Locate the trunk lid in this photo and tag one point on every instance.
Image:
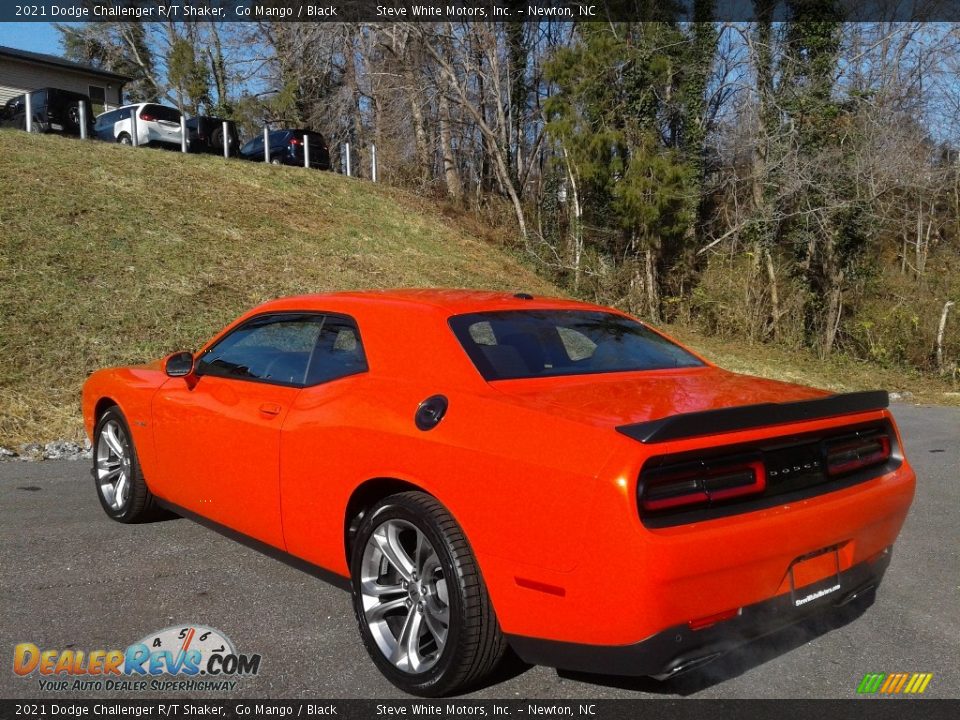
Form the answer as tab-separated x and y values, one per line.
615	399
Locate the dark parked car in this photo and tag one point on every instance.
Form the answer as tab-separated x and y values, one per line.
54	111
206	135
286	148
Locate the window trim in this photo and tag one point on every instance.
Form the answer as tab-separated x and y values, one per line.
282	313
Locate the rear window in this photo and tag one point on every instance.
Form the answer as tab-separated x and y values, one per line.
161	112
543	343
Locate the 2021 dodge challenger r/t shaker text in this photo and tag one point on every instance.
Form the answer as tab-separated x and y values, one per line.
493	471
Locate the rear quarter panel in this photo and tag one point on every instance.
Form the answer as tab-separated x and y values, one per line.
519	482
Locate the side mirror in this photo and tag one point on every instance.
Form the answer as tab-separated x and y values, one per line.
179	364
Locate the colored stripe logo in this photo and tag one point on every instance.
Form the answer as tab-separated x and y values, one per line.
894	683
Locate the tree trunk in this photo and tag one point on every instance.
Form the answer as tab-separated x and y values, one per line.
353	85
419	127
774	296
576	226
834	312
218	67
940	331
653	295
450	173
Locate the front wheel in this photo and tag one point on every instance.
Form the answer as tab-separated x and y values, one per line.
121	488
422	607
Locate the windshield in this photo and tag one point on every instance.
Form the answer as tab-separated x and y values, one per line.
542	343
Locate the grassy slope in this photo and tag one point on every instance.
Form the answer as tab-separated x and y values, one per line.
111	255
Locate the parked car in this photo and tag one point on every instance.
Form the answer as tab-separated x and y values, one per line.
156	125
54	111
489	470
206	135
286	148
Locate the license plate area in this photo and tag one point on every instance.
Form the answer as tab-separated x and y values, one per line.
815	577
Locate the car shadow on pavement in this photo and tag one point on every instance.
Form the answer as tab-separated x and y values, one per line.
735	662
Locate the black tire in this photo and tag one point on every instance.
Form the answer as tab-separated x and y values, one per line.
474	644
34	126
124	139
275	161
139	504
216	139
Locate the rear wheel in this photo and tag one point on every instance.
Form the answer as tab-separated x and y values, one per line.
124	139
216	139
421	604
121	488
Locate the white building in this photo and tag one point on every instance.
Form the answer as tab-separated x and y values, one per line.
21	71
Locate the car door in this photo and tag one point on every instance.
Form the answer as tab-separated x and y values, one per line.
217	431
312	464
253	149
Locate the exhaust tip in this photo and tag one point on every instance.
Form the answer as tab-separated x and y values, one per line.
679	667
856	594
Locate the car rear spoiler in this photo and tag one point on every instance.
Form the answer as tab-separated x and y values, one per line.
710	422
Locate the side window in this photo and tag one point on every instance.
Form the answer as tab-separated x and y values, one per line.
274	348
106	120
288	348
338	352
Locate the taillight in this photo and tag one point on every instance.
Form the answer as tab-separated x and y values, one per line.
709	620
295	142
848	454
691	486
148	117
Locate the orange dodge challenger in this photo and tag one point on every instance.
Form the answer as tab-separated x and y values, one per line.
488	470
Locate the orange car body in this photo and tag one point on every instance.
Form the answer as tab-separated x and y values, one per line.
535	471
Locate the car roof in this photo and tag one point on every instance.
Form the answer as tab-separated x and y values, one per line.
446	300
399	324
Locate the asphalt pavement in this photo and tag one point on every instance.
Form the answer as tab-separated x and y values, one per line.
72	578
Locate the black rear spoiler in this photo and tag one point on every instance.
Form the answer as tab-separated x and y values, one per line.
723	420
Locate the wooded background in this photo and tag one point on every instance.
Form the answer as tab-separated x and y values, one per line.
794	182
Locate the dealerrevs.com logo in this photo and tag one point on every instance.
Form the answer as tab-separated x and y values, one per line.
179	659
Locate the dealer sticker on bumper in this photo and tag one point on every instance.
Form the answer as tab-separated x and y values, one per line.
815	576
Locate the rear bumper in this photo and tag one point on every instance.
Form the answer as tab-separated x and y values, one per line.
679	648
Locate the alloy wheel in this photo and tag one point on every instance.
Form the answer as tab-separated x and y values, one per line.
113	465
404	596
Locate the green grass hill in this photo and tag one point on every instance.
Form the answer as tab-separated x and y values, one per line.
112	255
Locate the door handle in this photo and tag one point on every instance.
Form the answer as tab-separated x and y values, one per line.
270	408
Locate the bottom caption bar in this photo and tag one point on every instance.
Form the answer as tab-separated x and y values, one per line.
367	709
